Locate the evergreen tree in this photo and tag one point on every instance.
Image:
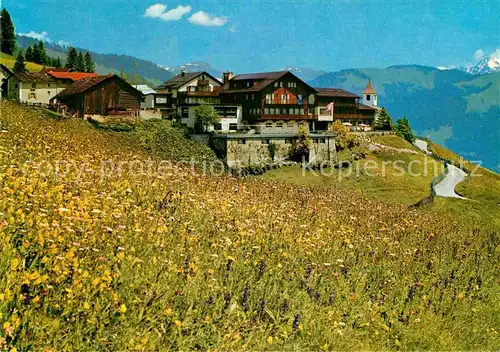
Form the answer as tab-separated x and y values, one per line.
71	59
43	53
403	129
89	63
28	56
384	121
37	54
7	33
80	63
19	66
57	62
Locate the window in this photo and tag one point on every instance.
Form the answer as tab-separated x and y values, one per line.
368	97
272	111
33	85
218	126
290	124
269	124
299	99
266	111
268	99
233	126
315	141
246	96
48	93
292	111
301	111
297	111
161	100
265	141
32	96
248	84
281	84
279	124
322	140
48	85
242	141
288	141
253	96
275	84
185	112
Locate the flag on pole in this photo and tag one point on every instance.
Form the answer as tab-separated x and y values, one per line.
330	107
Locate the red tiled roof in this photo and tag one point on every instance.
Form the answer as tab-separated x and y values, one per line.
369	88
335	92
74	76
82	85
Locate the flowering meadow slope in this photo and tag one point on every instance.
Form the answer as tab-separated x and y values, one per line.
96	257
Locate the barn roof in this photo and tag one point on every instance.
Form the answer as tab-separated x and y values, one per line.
260	76
181	79
82	85
74	76
335	92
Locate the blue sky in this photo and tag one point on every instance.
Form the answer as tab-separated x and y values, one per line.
258	35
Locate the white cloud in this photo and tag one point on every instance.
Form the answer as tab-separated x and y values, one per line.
479	54
496	54
201	18
159	11
44	36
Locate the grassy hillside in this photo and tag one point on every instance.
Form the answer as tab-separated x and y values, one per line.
9	61
100	257
455	108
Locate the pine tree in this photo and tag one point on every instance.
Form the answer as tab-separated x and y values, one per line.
71	59
57	62
384	121
19	66
7	33
37	54
28	56
80	63
43	53
403	129
89	63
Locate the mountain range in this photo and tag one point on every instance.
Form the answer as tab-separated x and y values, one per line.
456	107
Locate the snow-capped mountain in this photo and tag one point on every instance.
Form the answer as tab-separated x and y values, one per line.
307	74
164	67
451	67
487	65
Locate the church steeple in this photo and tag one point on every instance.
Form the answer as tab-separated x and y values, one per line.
370	95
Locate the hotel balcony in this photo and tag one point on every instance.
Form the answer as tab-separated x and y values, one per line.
324	115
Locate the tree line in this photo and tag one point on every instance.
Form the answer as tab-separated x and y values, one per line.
76	61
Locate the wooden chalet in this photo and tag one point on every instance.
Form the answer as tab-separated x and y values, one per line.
270	96
100	95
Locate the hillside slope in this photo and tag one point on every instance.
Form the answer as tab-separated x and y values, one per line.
453	108
123	258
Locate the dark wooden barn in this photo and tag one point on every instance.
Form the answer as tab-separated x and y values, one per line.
101	95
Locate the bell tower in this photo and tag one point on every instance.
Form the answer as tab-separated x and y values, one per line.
370	95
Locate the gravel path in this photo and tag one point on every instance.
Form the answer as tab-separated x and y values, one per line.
445	188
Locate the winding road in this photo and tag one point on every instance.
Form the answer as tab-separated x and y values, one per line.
445	188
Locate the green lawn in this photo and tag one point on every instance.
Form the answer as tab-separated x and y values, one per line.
9	61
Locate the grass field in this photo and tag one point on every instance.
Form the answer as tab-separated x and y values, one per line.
99	257
9	61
